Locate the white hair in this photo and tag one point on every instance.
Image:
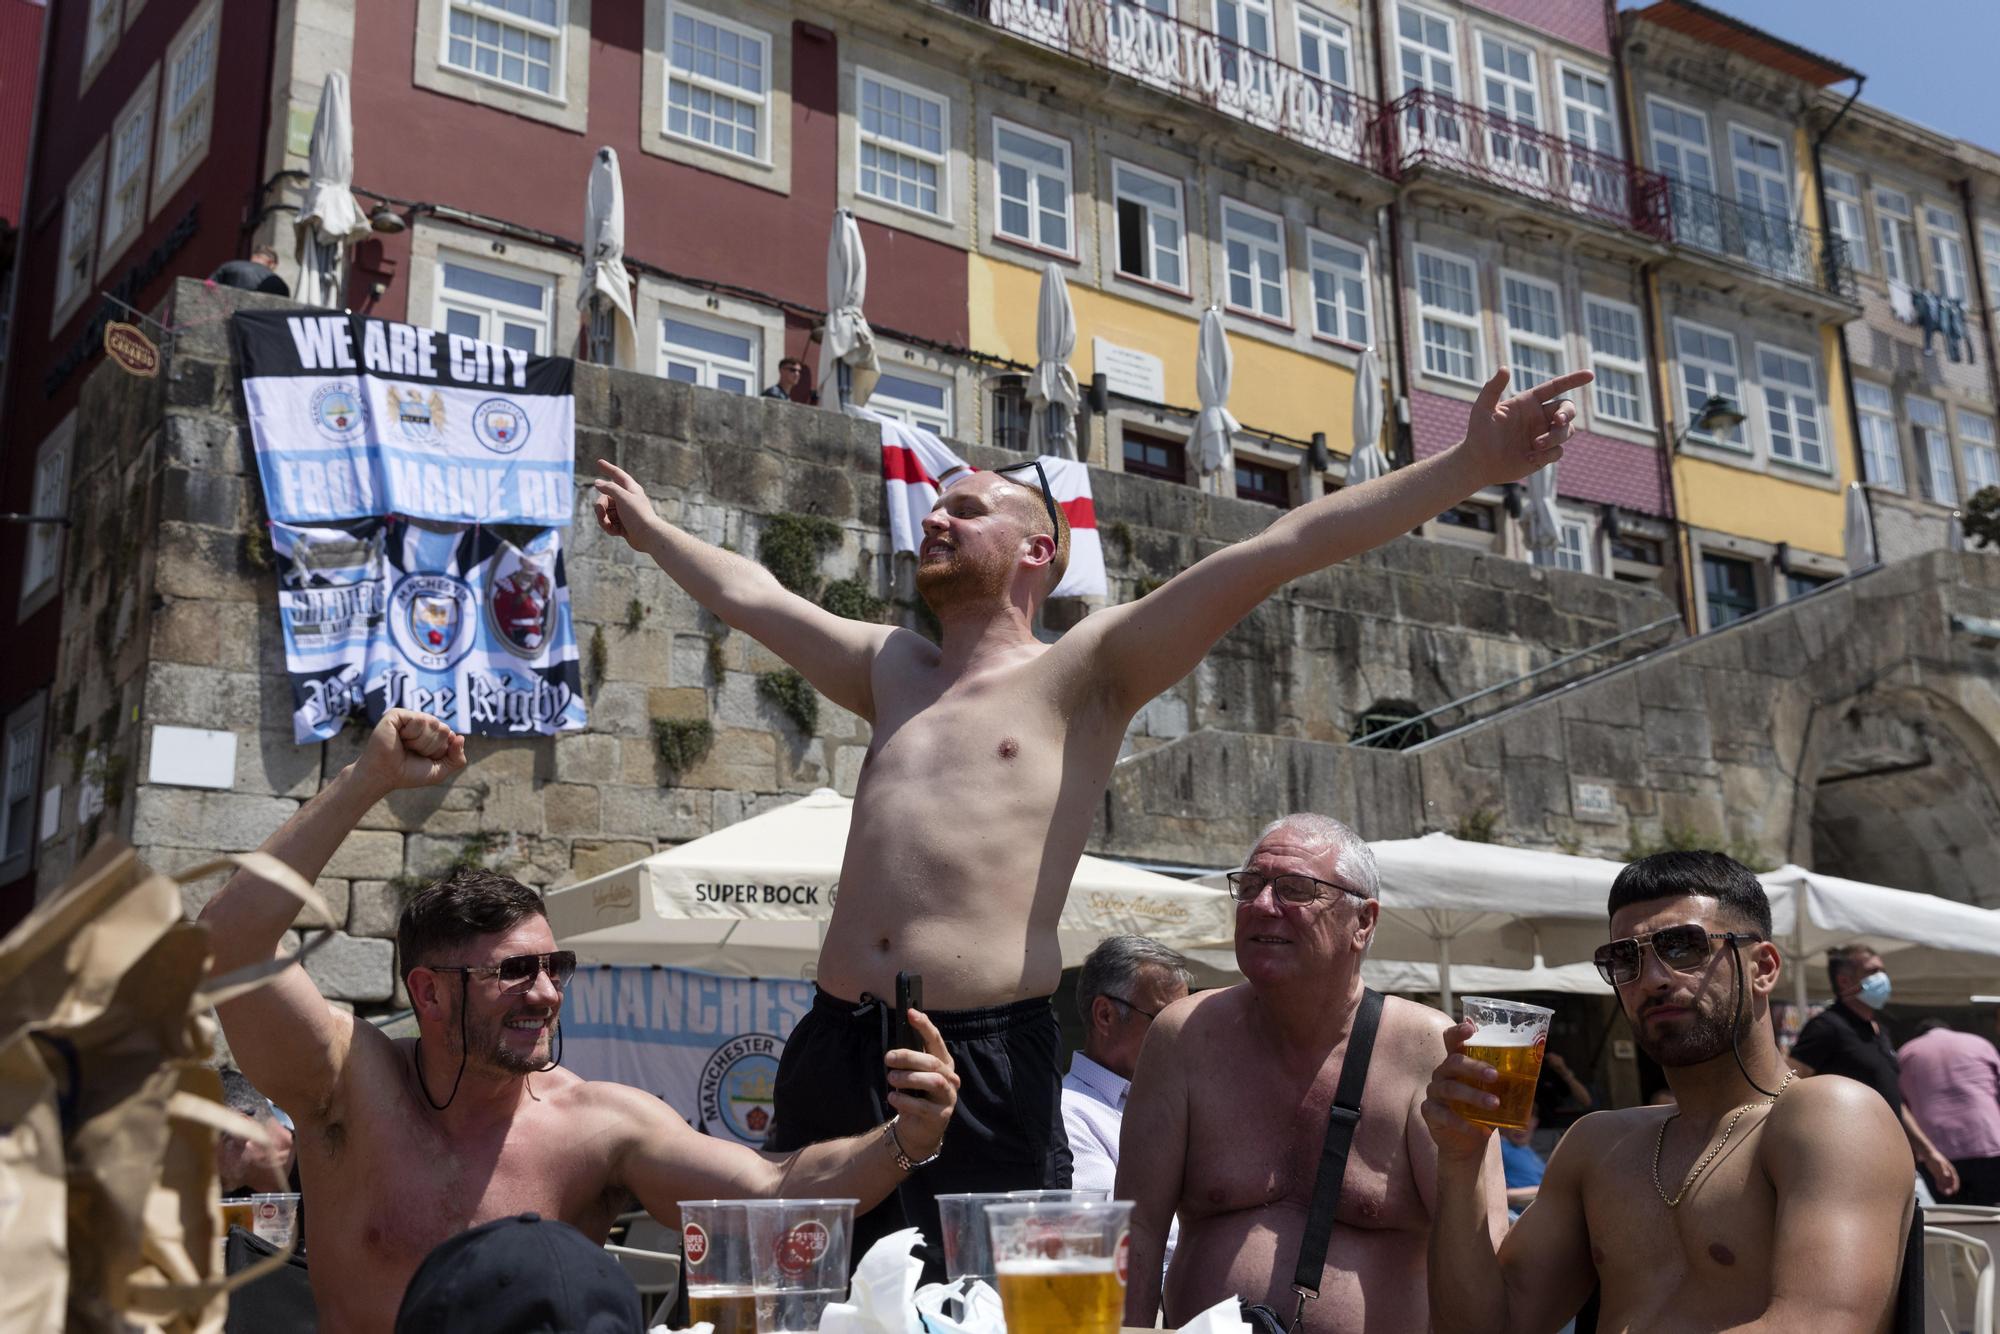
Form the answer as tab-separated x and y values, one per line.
1353	859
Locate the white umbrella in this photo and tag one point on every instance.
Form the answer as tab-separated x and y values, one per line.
1936	949
1861	550
1213	365
606	293
755	898
1052	391
1367	462
848	367
329	216
1544	530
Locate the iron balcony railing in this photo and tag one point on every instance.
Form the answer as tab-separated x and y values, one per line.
1198	65
1704	220
1423	128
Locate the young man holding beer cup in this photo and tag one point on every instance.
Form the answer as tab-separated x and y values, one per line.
1757	1202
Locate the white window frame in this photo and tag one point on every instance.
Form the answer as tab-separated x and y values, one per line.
1896	231
1796	408
490	309
940	160
1574	543
1609	146
557	36
41	561
1541	342
1683	147
1037	171
1505	152
1932	439
1153	247
23	727
708	365
1846	219
1601	360
1947	247
716	88
1989	254
132	132
171	170
1428	54
1740	166
83	209
1343	312
1445	315
913	413
1257	246
1976	441
1741	444
102	26
1316	27
1881	442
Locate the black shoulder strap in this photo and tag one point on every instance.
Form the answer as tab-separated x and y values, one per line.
1908	1317
1341	1119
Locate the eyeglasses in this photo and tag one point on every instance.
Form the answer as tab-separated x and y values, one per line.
519	971
1682	948
1295	889
1150	1014
1048	496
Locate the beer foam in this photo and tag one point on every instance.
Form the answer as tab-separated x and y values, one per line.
1075	1264
1502	1035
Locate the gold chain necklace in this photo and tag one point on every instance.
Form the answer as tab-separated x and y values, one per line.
1709	1157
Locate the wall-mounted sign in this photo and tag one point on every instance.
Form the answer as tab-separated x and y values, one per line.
1128	371
128	345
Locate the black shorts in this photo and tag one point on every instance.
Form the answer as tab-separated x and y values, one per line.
1006	1134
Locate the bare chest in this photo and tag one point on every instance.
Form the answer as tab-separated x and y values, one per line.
1717	1239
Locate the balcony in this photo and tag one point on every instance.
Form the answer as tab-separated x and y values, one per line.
1426	129
1197	66
1769	242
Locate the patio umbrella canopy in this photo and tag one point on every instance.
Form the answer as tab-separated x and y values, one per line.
1052	392
1366	462
1544	530
329	217
1937	951
1860	530
606	293
848	367
1214	427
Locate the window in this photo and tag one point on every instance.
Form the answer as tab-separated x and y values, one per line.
718	82
1637	550
1033	172
1707	360
1253	243
1476	518
1507	86
1244	25
1534	329
1933	449
1791	407
1947	252
1264	483
1731	586
1881	452
187	105
79	235
1010	412
1893	230
1572	549
713	355
1762	181
1150	226
1843	200
22	763
1427	61
1326	51
914	399
45	540
1587	119
1617	357
1448	304
1156	456
515	42
1975	442
1680	143
100	33
1339	289
903	137
131	156
1989	248
1798	583
509	307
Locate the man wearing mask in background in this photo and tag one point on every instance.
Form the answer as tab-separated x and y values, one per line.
1847	1038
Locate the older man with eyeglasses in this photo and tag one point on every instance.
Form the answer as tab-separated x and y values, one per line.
1235	1100
404	1143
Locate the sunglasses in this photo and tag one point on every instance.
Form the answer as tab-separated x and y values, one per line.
518	971
1295	889
1048	496
1682	948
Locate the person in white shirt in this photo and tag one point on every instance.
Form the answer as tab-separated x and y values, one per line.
1125	982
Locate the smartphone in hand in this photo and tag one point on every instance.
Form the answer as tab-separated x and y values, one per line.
909	996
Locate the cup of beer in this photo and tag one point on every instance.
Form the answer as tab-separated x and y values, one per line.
715	1260
798	1261
1061	1264
275	1217
968	1249
1511	1038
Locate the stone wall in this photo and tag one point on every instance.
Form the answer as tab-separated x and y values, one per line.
170	618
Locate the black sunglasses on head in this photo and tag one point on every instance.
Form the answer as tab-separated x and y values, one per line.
1682	948
1048	496
520	970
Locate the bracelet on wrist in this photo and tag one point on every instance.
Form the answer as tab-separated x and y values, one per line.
903	1159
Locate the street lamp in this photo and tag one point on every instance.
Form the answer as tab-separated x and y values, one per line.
1718	412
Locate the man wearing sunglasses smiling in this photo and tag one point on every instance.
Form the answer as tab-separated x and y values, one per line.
1758	1202
402	1144
990	755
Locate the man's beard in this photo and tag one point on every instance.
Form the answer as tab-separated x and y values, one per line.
1706	1037
955	582
488	1041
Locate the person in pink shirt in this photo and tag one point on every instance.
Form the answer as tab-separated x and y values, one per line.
1951	1084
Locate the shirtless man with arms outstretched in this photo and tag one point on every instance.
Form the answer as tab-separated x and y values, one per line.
990	756
1734	1210
402	1144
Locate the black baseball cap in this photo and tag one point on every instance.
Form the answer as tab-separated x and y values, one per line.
521	1275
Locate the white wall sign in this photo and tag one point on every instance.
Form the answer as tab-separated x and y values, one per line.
51	812
193	757
1593	801
1128	371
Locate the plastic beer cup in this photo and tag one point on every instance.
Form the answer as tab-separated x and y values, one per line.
798	1260
1511	1038
275	1217
1061	1264
968	1250
715	1260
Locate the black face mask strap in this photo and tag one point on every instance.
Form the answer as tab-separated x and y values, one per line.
465	988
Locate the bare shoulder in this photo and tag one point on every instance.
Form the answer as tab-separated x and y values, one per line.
1412	1035
629	1107
902	649
1833	1117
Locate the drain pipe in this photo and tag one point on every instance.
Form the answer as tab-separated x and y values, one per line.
1977	249
1389	229
1840	341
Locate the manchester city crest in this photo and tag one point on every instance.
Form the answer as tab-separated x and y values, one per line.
501	425
336	411
420	420
737	1085
520	602
431	620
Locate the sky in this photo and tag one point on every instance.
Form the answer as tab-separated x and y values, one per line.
1930	61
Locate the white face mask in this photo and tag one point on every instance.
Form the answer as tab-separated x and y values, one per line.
1874	990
